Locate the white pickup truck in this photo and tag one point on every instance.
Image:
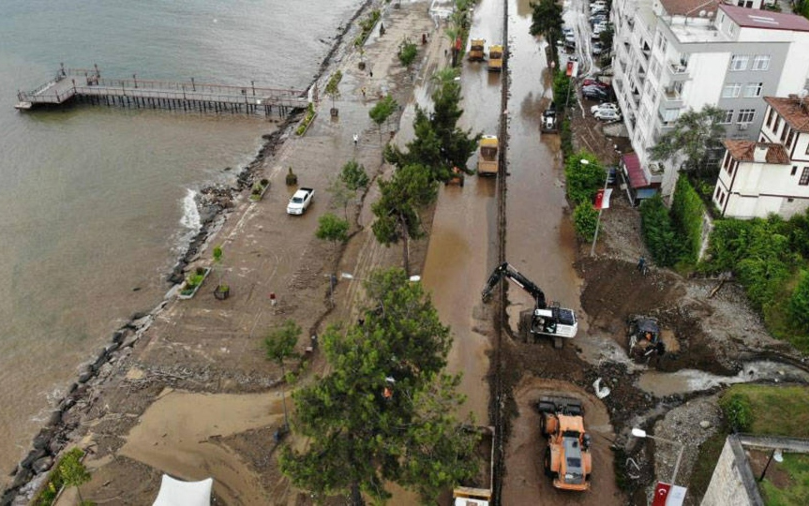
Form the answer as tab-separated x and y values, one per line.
300	201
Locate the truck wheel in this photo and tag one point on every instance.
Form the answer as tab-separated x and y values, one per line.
543	426
548	471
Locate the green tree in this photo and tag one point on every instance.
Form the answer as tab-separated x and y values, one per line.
583	179
407	53
799	302
383	110
696	139
585	217
280	345
438	143
354	175
333	229
74	472
333	87
658	232
341	194
546	20
384	411
397	211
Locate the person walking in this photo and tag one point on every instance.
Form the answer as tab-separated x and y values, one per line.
363	92
356	139
641	264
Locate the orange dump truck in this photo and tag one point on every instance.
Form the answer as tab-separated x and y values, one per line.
495	58
476	50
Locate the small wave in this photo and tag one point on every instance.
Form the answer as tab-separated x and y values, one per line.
190	218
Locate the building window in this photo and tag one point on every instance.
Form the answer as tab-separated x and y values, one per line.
732	90
721	199
794	170
761	62
804	177
790	138
746	115
777	124
716	194
784	132
770	116
727	117
738	62
753	90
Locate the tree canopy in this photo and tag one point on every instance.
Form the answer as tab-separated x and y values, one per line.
546	20
696	138
438	144
583	179
397	210
384	413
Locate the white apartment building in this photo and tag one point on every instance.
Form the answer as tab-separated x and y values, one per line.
771	175
670	56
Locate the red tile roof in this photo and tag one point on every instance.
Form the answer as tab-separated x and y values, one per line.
743	151
755	18
637	179
688	8
794	111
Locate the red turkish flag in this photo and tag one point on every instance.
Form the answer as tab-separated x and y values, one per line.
458	44
661	494
599	198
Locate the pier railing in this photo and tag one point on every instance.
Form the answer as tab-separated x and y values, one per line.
88	85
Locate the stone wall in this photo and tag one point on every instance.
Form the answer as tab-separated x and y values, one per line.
728	482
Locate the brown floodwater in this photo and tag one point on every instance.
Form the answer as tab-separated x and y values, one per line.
463	242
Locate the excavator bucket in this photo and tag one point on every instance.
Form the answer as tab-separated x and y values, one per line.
561	405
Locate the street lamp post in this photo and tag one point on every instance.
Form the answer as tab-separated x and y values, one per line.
601	209
776	455
640	433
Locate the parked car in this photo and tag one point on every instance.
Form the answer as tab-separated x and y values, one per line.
598	48
605	106
595	82
595	93
598	19
300	201
612	175
607	115
570	39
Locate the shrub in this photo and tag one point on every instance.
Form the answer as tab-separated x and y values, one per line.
687	211
407	53
658	232
583	179
566	138
738	411
561	93
585	218
799	302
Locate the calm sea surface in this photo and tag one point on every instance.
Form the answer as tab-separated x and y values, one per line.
94	201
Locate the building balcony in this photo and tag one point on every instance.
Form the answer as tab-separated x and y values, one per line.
671	99
677	71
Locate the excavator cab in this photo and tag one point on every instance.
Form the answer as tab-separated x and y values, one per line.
644	338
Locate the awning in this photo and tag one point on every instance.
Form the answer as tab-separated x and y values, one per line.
631	164
184	493
645	193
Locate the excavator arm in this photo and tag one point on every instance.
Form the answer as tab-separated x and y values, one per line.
506	270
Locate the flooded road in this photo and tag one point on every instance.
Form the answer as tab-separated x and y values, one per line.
540	240
463	241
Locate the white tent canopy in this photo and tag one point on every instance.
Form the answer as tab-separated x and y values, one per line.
184	493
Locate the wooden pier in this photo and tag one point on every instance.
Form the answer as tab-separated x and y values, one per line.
87	86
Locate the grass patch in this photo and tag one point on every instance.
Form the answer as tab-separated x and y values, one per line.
776	411
797	491
709	453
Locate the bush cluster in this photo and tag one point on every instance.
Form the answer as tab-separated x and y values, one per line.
585	217
738	411
658	232
687	212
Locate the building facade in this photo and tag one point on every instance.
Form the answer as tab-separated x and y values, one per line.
674	55
770	176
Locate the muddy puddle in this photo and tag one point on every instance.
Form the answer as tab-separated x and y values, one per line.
525	481
684	381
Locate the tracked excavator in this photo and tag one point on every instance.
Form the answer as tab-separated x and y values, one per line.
545	319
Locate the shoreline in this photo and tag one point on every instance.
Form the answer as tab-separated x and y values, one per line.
214	203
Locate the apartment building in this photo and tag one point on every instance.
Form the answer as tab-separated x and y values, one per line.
674	55
772	174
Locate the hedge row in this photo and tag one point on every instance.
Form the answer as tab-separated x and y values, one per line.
687	212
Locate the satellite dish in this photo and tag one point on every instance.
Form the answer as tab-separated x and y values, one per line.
702	13
778	456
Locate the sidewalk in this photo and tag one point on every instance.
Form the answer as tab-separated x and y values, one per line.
144	414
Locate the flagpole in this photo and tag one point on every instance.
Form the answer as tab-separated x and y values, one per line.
600	210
